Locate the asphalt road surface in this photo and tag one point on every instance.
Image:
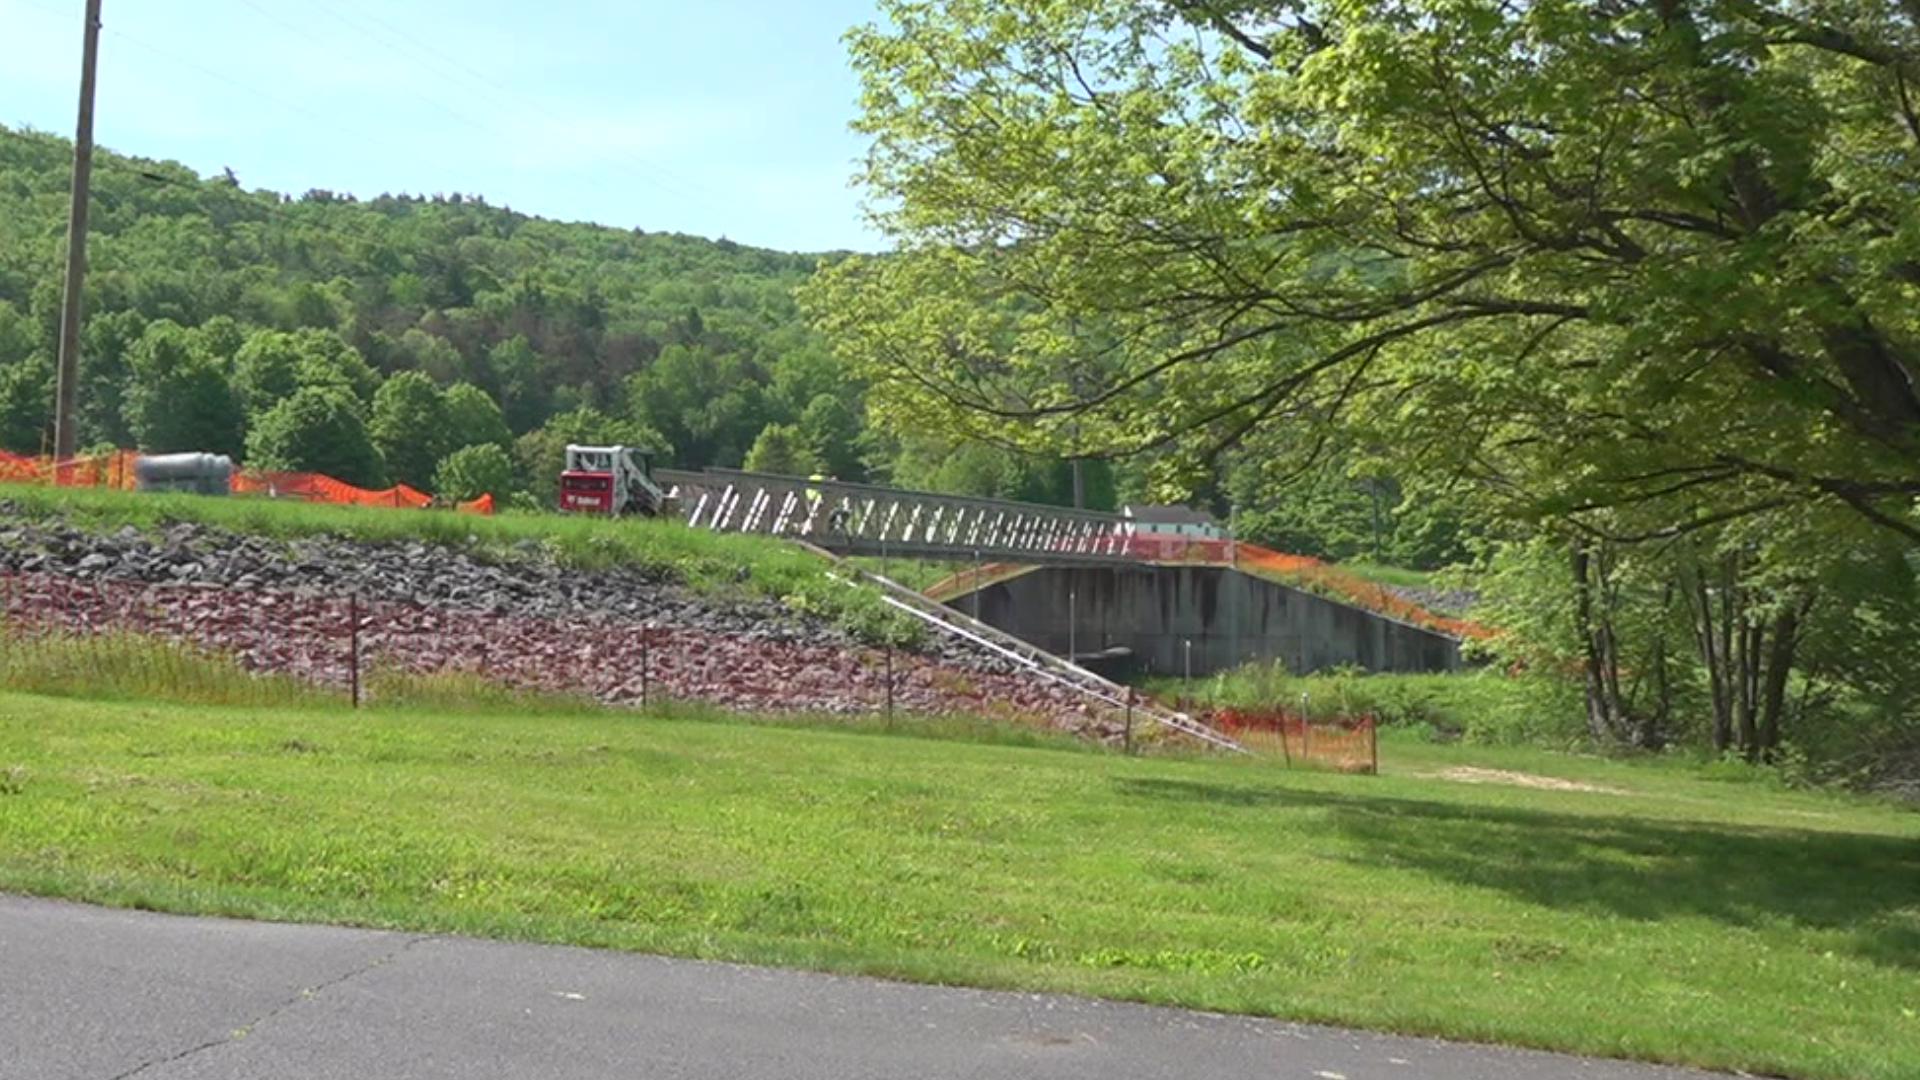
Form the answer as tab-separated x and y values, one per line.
96	994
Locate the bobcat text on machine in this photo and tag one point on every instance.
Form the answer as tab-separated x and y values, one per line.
610	480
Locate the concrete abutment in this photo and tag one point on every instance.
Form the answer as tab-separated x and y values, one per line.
1230	618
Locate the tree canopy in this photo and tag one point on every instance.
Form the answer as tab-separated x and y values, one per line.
699	344
1635	283
695	338
1590	256
317	429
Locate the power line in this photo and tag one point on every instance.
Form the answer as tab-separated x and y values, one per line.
425	98
647	171
398	42
284	213
508	97
237	84
447	63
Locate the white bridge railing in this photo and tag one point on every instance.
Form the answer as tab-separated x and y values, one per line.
863	519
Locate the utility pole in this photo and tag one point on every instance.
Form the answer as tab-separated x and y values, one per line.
65	437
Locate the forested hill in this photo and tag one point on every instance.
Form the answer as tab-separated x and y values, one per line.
375	339
277	327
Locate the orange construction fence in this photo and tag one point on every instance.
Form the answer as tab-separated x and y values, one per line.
1345	743
1330	578
115	470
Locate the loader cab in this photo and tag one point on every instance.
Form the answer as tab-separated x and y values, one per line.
609	480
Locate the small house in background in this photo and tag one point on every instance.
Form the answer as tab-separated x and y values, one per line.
1174	521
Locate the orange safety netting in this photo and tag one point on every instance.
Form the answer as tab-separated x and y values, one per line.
315	487
1324	577
115	470
1346	743
1304	571
1300	571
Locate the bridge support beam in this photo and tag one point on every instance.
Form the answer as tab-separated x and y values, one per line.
1230	618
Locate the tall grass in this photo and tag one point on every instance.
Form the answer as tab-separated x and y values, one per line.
1480	706
1396	576
130	667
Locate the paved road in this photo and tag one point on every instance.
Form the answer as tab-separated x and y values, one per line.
108	995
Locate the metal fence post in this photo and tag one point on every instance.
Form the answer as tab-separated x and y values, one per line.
886	571
1373	742
976	584
1186	676
646	661
353	646
1127	735
1073	621
1306	729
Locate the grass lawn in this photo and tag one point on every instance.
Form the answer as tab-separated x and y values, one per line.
1665	917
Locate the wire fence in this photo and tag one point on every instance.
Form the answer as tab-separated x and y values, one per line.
62	634
202	643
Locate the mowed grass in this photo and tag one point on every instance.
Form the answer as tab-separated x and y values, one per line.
1666	917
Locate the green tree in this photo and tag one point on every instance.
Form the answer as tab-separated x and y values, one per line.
221	337
434	355
104	375
272	364
544	316
409	427
831	433
1629	273
17	335
327	360
516	372
179	398
962	467
710	405
316	429
781	448
1659	247
473	471
26	404
266	370
473	419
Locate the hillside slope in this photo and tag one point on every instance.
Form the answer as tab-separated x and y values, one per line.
545	317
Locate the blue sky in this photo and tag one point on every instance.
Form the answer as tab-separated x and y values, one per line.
712	117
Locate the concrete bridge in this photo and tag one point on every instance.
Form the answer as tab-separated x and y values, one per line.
1085	584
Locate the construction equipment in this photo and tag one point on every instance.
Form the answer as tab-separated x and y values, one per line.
612	480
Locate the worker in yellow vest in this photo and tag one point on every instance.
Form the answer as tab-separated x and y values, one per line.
813	497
